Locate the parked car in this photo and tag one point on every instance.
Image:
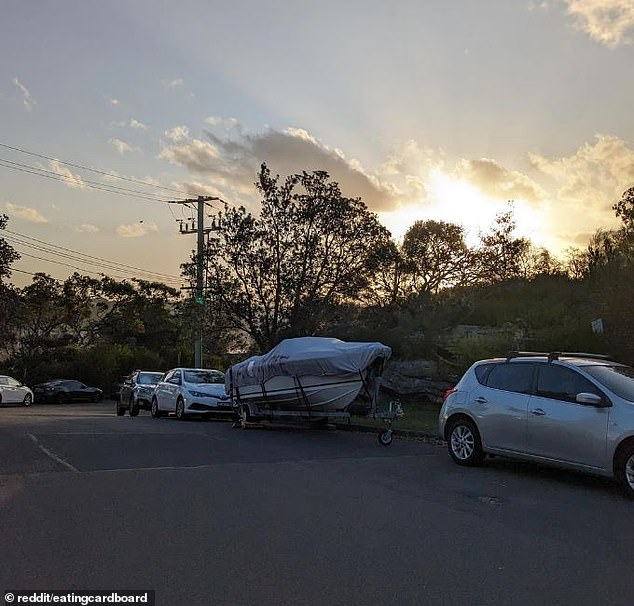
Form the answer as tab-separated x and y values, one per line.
14	392
115	388
61	391
568	410
137	391
186	391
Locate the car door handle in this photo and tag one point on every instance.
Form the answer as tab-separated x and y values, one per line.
538	412
481	400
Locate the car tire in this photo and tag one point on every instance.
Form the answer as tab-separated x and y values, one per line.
28	400
134	408
624	469
180	409
120	411
154	409
60	398
464	443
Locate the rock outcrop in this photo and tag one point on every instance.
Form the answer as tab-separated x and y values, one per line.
415	377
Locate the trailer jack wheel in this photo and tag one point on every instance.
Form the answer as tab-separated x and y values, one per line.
386	437
245	417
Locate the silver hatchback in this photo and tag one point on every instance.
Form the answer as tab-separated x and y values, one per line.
569	410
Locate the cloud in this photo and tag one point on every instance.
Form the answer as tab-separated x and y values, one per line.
137	125
224	122
177	134
114	101
28	101
136	230
177	83
86	228
610	22
233	162
198	188
25	213
196	155
121	146
596	174
498	182
70	178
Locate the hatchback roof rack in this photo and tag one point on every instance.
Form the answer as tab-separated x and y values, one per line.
525	354
555	355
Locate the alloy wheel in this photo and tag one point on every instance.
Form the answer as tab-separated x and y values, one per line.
462	442
629	471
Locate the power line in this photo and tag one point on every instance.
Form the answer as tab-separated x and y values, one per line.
94	170
30	273
80	181
89	259
71	266
99	266
40	172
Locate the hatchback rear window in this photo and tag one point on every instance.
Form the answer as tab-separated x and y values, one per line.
516	377
482	372
619	379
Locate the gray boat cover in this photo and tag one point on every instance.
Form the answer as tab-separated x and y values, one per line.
315	356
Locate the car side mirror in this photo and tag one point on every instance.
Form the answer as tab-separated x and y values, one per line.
590	399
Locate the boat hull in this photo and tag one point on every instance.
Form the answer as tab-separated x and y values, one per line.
315	394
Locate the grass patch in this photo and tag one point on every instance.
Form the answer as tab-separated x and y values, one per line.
419	416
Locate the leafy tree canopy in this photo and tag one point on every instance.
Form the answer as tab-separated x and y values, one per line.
310	248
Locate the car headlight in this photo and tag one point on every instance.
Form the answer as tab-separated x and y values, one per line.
200	394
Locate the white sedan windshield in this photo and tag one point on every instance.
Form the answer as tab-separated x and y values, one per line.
204	376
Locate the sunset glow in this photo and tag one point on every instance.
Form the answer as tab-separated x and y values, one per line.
445	119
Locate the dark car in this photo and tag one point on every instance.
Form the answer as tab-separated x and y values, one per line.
137	391
61	391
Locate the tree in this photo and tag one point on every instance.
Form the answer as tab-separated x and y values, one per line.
435	256
500	254
624	209
539	261
8	254
8	294
281	273
135	313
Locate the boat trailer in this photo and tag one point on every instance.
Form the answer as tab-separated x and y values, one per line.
251	415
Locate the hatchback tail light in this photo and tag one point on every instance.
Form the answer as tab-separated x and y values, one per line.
447	393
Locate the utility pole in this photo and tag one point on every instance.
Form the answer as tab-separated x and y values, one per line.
200	240
200	230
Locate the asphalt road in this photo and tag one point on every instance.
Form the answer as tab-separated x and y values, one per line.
206	514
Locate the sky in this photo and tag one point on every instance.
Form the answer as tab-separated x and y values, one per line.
426	110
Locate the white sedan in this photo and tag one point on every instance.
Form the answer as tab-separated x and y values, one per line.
186	391
14	392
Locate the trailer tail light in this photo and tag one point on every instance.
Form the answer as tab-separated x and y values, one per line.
447	393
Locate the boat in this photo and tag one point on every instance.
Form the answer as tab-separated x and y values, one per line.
309	375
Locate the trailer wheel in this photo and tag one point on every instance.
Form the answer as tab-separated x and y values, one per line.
386	437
